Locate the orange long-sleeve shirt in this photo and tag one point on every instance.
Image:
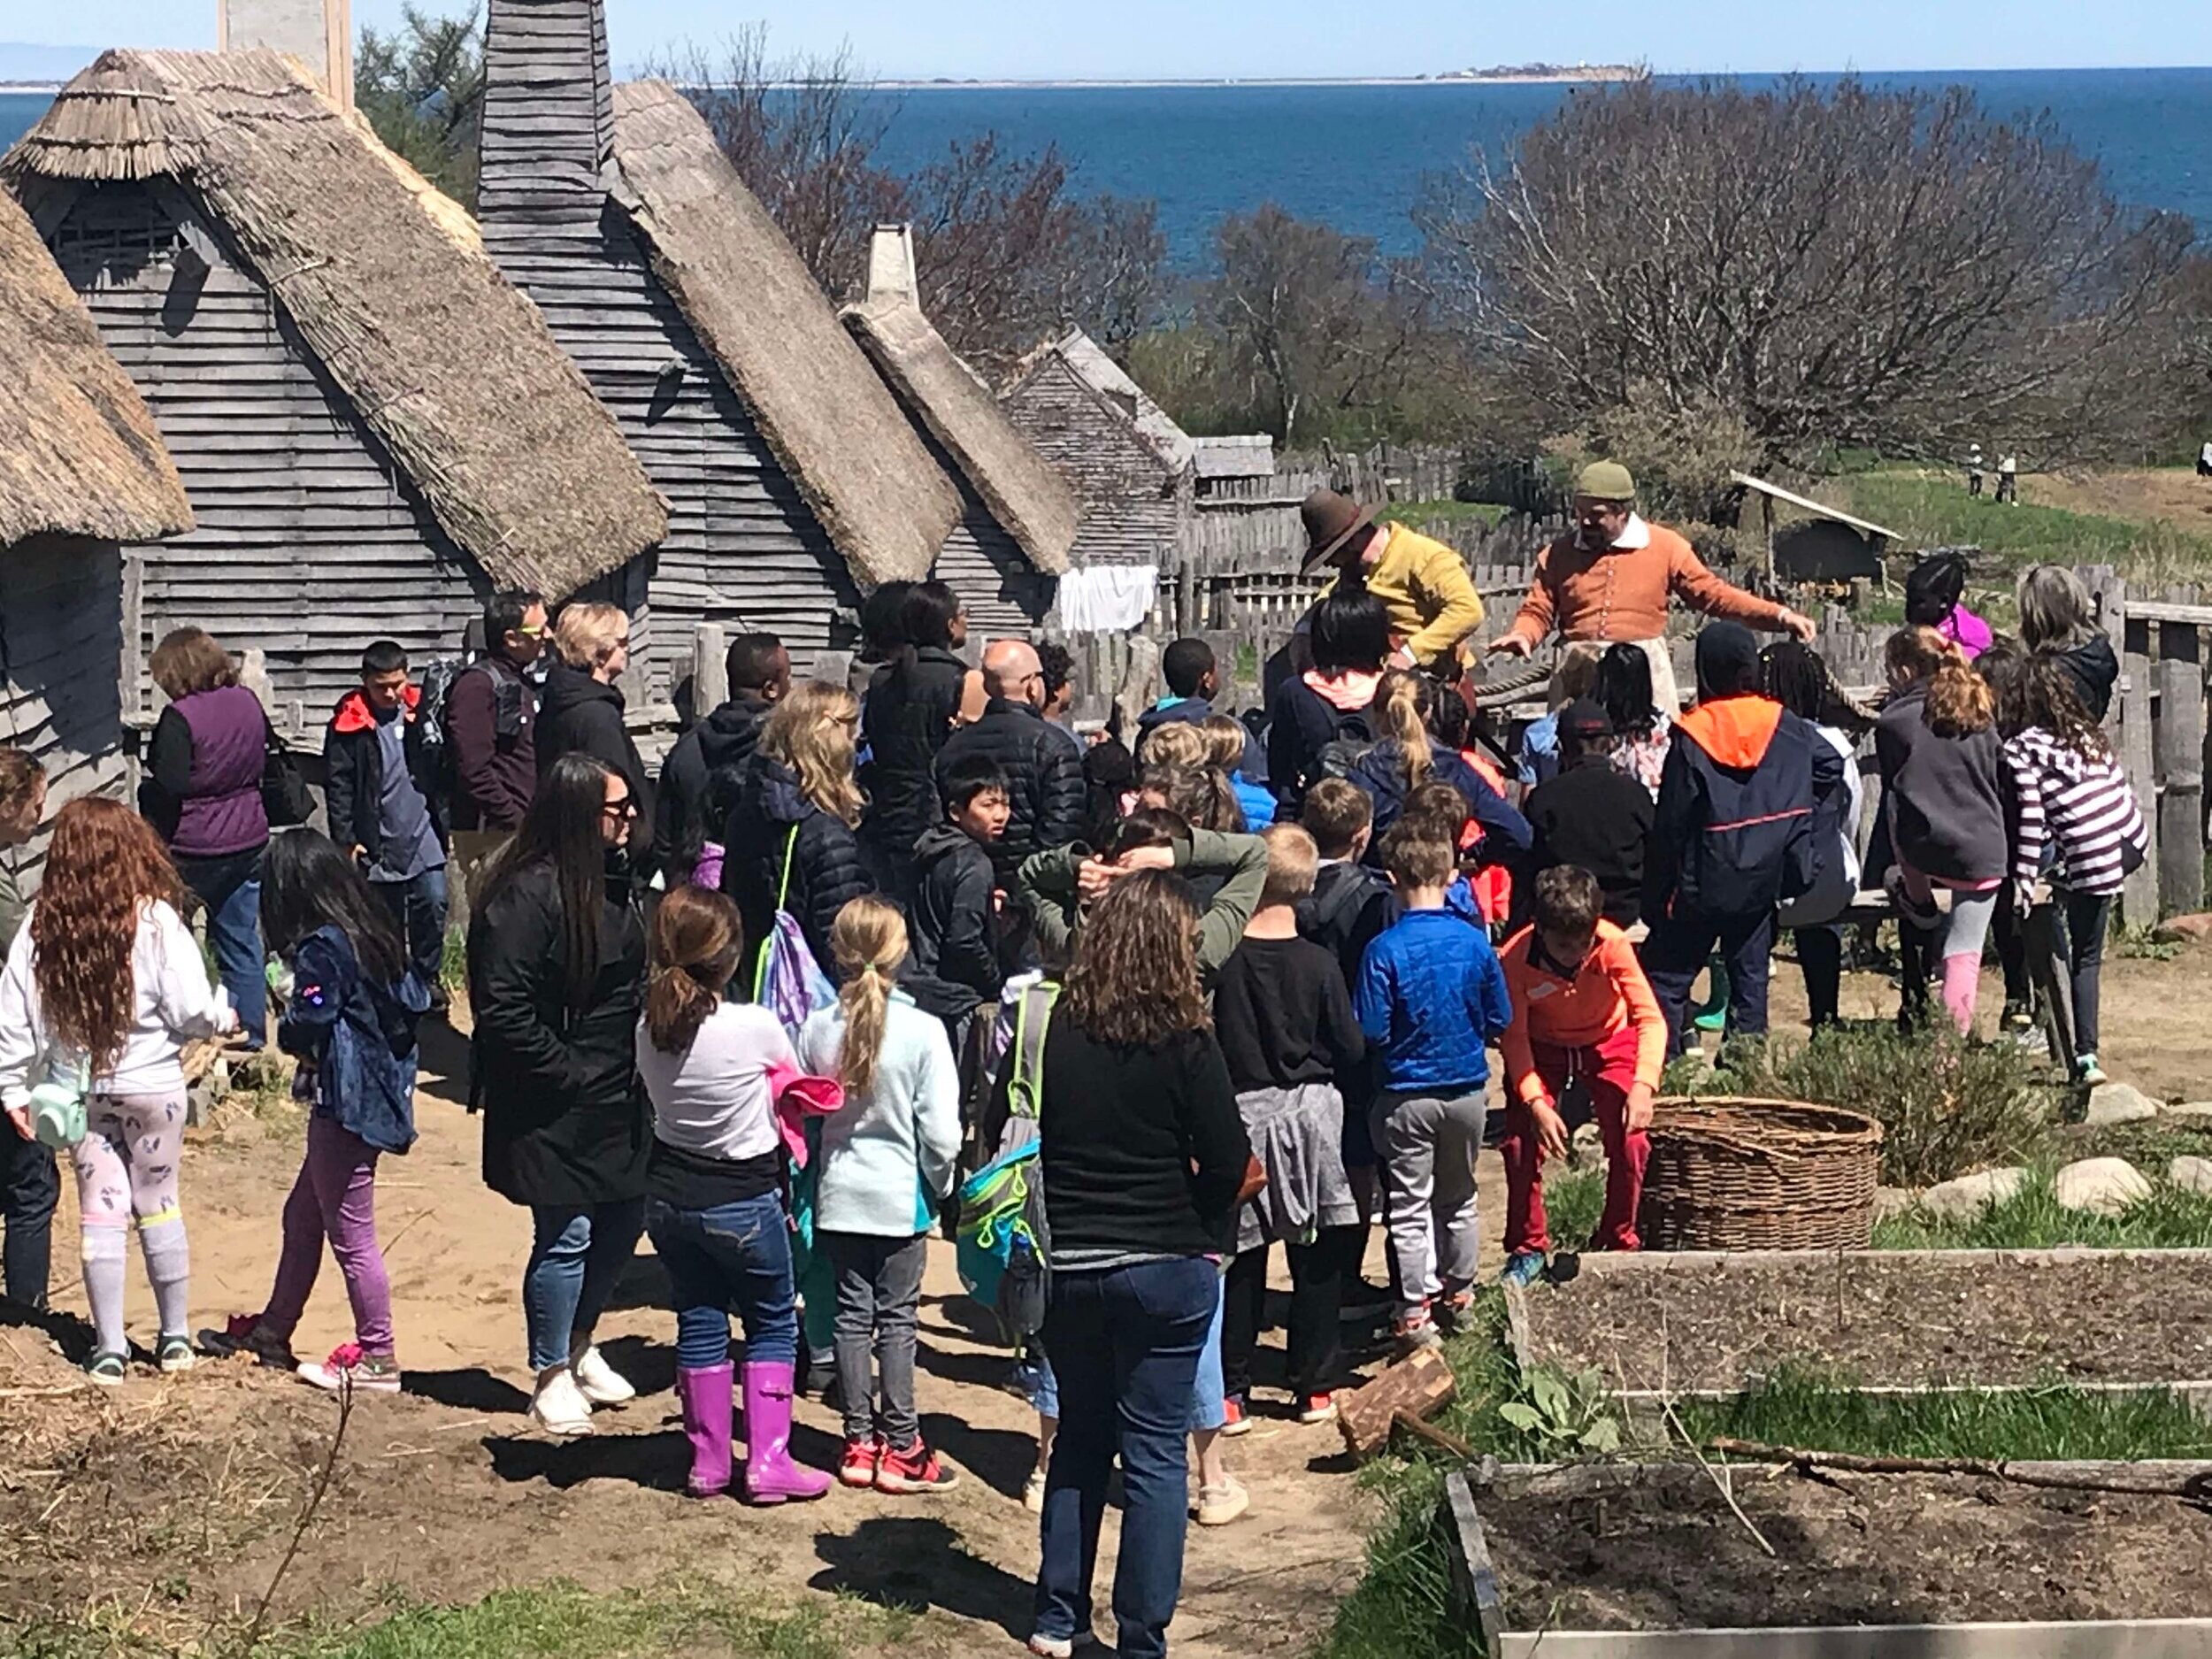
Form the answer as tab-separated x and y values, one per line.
1621	593
1608	993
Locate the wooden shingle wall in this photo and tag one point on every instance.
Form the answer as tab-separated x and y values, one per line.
1134	506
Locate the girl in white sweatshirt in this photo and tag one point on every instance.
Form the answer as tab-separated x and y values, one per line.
104	986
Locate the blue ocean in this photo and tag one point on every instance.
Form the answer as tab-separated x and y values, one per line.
1357	155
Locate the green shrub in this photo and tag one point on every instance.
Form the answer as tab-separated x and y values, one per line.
1946	1104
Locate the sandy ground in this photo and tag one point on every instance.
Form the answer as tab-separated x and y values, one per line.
445	1492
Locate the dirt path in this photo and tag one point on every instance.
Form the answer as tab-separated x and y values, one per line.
455	1460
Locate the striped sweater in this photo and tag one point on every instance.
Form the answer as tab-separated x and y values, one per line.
2082	806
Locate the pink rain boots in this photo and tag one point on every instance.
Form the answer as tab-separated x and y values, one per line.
771	1477
705	1395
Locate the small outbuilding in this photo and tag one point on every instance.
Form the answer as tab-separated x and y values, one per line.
1018	516
82	471
373	427
1827	545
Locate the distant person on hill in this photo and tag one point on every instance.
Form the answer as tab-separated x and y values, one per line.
2204	460
2009	479
1974	466
1423	584
1611	576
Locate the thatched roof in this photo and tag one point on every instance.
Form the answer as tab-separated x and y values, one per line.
839	434
452	368
79	455
1030	500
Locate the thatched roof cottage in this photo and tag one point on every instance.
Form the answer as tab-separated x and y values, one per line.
1018	516
794	481
82	471
373	427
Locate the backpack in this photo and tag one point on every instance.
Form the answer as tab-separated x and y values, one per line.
788	981
1354	741
433	717
1003	1243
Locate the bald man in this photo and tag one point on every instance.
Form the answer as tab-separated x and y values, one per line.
1044	771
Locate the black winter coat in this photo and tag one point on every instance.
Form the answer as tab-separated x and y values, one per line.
908	716
1300	723
955	950
1044	775
826	869
353	783
565	1118
578	715
698	780
2095	670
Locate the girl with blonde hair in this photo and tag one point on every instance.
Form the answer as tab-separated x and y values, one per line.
790	839
887	1164
1410	754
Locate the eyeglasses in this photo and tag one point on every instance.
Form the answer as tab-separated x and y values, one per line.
537	632
626	808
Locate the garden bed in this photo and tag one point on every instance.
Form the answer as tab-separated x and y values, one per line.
1657	1548
1693	1323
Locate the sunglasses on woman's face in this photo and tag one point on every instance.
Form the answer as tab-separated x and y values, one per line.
627	807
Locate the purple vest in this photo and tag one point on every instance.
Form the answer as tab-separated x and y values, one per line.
222	810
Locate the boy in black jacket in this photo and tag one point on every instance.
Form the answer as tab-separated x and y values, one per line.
1590	814
955	965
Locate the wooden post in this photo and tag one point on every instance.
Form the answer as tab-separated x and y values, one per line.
2139	898
2180	761
1467	1553
711	669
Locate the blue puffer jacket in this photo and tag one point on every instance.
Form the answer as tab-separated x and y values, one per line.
359	1038
1381	771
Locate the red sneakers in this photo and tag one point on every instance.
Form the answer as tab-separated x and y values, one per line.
1234	1422
916	1469
1319	1408
861	1460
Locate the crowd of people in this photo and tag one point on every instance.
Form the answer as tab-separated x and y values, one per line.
1230	985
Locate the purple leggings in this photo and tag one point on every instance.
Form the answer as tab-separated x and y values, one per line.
334	1198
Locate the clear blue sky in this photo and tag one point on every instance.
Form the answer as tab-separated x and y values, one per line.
1127	39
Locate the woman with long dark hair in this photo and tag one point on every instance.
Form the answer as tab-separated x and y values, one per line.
1641	728
1318	719
204	765
348	1014
1144	1155
556	974
913	704
103	987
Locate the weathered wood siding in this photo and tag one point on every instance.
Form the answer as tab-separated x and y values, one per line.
1134	505
1004	595
311	542
61	634
743	548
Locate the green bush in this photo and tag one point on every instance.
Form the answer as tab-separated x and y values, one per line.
1947	1104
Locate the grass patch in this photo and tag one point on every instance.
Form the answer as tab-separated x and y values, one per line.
2032	1219
1488	514
2053	1424
453	960
1931	509
1945	1105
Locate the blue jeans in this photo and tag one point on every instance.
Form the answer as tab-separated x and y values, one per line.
230	886
1208	1399
577	1256
734	1256
418	907
1125	1347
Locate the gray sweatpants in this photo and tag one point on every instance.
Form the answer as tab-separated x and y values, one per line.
1426	1146
879	1301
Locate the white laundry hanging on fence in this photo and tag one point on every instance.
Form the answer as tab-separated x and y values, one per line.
1107	598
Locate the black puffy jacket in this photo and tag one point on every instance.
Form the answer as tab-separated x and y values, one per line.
578	714
1044	776
907	718
699	780
955	964
565	1120
770	819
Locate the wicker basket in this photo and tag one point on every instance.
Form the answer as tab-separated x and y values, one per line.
1733	1174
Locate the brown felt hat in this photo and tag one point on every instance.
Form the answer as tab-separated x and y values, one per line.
1331	520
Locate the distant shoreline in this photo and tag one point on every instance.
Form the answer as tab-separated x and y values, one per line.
1220	83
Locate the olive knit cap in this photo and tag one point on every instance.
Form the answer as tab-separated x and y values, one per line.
1605	481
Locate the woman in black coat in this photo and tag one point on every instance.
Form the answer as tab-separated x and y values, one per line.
1331	703
557	976
580	710
913	704
797	805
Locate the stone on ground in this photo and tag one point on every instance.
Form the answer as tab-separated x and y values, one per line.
2119	1103
1965	1197
2100	1186
2191	1174
1894	1201
2184	929
2190	1112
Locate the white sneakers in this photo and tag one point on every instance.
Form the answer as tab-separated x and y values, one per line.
559	1406
602	1384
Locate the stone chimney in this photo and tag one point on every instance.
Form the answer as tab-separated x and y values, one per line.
891	266
318	33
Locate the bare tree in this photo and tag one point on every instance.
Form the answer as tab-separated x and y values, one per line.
1853	266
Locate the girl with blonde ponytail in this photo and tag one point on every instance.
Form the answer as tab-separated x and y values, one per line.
886	1166
714	1206
1408	754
